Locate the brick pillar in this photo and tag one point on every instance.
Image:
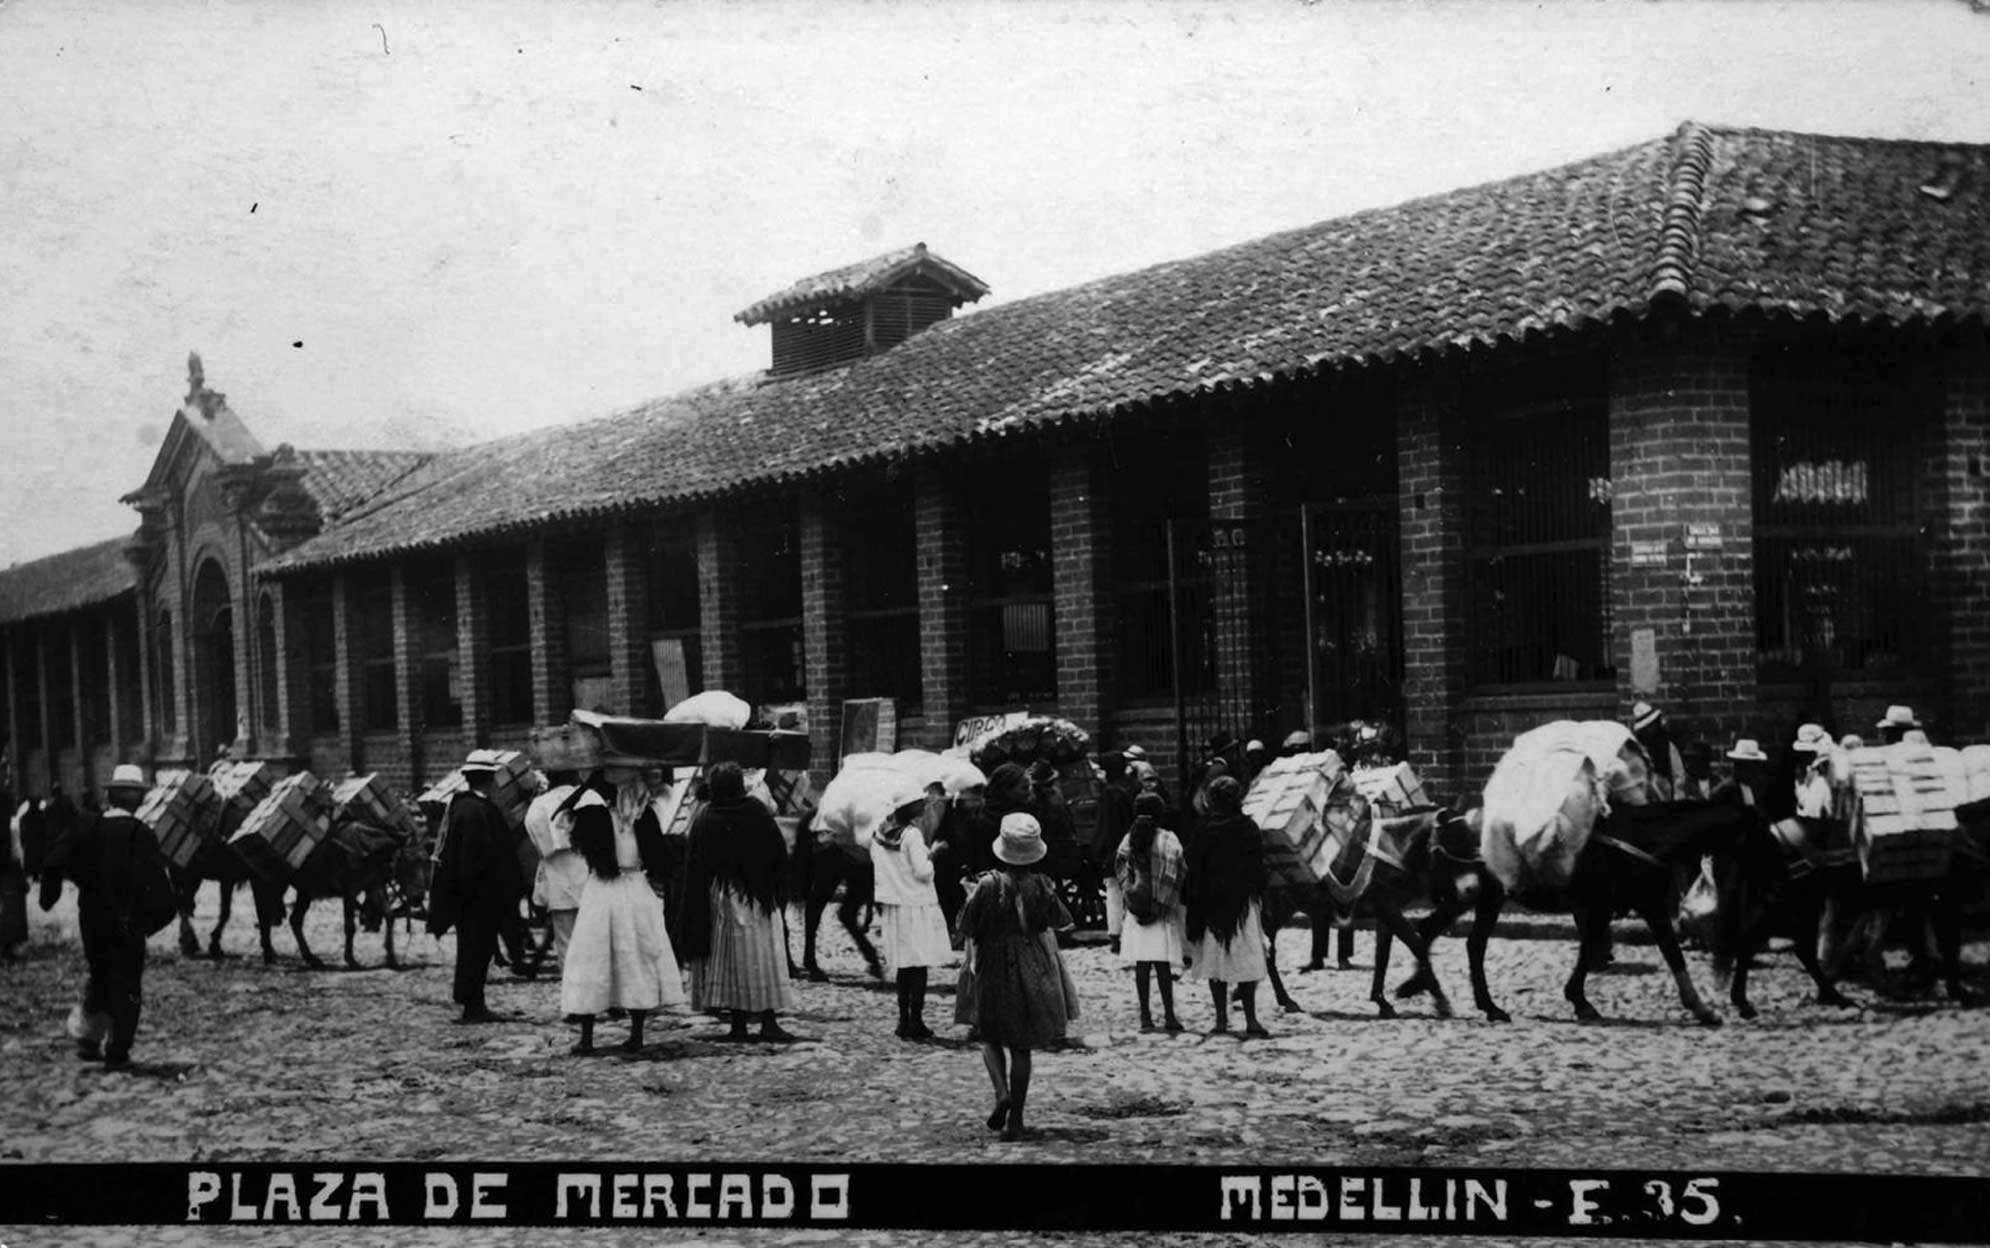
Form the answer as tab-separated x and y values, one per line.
408	710
825	629
1960	536
80	697
552	680
942	539
114	678
345	678
293	699
473	645
718	601
1431	503
148	714
628	612
1081	566
1679	457
1237	493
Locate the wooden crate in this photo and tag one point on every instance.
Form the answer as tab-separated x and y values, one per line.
285	827
512	793
1307	812
243	784
1902	807
181	810
1391	790
368	800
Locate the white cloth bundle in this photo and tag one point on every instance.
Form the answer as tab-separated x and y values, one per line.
861	796
1541	805
714	707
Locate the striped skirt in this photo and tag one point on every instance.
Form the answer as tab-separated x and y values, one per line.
748	969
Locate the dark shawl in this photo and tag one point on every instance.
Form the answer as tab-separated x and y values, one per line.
968	837
478	869
737	844
1226	872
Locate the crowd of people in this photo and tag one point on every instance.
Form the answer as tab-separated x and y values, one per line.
643	923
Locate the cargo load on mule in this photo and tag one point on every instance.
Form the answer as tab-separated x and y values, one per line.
1546	794
182	810
286	827
1901	805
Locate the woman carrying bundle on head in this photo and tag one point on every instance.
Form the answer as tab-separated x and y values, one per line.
915	933
735	889
1149	868
620	957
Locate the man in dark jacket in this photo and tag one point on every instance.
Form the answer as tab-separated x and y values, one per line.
477	882
106	857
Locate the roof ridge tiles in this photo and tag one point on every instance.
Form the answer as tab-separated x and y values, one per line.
1679	235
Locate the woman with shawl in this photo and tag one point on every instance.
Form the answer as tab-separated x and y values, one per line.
620	957
1226	882
1149	870
1018	995
734	893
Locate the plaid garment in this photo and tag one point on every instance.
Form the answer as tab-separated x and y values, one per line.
1165	864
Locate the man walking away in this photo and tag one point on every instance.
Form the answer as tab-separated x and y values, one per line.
121	889
476	882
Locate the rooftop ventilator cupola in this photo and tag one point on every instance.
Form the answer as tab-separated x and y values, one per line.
861	309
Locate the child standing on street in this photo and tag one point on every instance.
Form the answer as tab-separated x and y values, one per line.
915	932
1149	868
620	957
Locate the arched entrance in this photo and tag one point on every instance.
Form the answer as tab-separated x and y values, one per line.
212	619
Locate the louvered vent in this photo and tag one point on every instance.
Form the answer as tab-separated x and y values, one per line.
841	316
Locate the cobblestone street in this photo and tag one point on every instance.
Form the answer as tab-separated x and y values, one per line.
239	1061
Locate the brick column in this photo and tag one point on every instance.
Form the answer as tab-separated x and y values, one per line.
1679	457
1081	554
473	646
942	539
1431	502
345	677
148	714
1960	536
628	611
408	710
825	629
552	680
718	600
292	698
1237	493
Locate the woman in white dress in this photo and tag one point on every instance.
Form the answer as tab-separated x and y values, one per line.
621	956
1149	868
915	932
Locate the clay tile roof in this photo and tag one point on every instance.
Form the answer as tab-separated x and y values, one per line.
1705	219
854	281
70	581
340	481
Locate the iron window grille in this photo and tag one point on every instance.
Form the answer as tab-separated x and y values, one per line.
321	660
770	627
1011	616
671	605
1156	480
508	614
881	570
374	633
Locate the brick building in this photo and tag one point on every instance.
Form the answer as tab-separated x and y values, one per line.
1703	421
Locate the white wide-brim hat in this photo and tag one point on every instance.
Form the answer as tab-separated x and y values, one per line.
1644	715
1747	750
1812	739
1021	842
127	776
1899	717
481	760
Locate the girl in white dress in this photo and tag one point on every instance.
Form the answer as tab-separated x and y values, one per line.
621	956
1149	868
915	931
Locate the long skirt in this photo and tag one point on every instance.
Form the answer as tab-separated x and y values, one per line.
913	936
1159	941
1240	960
1115	907
748	967
620	955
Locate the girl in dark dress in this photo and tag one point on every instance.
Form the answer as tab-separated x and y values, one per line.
1019	997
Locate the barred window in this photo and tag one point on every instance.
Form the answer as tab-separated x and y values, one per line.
1012	648
1538	528
508	612
1838	437
672	607
770	623
580	577
881	577
1158	480
431	588
373	644
321	657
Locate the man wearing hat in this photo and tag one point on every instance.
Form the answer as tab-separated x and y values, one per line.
1298	741
1748	785
1811	763
1654	732
1896	724
108	857
477	882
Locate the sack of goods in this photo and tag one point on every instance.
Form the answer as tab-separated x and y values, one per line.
183	812
861	796
367	800
1309	814
1903	805
714	707
286	827
1546	794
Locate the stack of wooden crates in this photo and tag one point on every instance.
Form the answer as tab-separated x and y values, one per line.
367	800
1308	813
1900	803
181	810
286	827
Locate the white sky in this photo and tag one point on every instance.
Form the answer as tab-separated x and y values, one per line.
519	214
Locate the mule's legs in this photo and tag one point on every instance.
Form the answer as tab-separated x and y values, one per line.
1390	919
387	925
1284	998
1591	924
1385	943
812	907
1668	948
1946	915
1434	924
1485	917
350	903
269	910
227	907
186	888
297	911
849	914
